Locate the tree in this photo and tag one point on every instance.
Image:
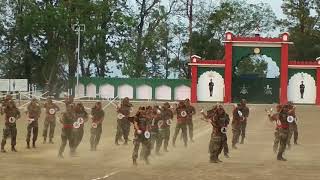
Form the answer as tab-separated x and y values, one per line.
303	26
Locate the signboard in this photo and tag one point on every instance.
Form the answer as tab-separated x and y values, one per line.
4	84
18	84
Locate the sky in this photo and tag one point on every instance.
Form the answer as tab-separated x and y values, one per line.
275	4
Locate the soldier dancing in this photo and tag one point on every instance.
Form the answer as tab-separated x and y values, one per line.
281	119
67	120
239	123
33	112
78	128
123	123
141	136
154	128
164	127
275	118
50	120
181	111
12	114
218	119
293	127
190	112
96	126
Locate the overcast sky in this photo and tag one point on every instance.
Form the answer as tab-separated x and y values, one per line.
275	4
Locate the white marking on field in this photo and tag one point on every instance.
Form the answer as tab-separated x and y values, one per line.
106	176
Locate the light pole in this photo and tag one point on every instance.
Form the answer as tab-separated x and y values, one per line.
78	28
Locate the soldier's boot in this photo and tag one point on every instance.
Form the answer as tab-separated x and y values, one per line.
28	145
295	142
60	155
234	146
242	140
226	155
116	142
280	158
44	140
13	149
213	159
51	141
125	142
2	147
33	144
134	162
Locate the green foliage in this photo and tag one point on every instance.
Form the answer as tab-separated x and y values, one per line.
252	65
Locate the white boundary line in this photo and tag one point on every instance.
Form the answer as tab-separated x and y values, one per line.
107	175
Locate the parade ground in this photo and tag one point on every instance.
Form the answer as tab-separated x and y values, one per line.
254	160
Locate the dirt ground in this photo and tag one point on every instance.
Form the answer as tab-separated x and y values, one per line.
254	160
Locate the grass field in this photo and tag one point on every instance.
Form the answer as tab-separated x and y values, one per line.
254	160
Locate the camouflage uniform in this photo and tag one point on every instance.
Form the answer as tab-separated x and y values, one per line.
224	135
67	120
154	129
34	112
293	127
283	127
235	127
217	138
164	128
50	121
141	125
80	112
190	112
181	124
10	129
97	117
243	124
275	118
123	125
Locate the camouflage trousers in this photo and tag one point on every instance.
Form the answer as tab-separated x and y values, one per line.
164	136
276	140
49	124
123	129
225	144
183	127
78	135
215	146
293	130
283	137
190	129
146	147
32	128
243	126
9	131
95	136
235	135
66	136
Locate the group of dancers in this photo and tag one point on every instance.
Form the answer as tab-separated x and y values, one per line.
151	126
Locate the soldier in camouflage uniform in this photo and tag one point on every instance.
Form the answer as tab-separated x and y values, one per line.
97	118
50	120
34	112
11	112
80	114
283	127
239	122
164	127
67	120
293	127
243	122
5	101
275	118
190	112
181	111
218	120
141	125
154	128
123	124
